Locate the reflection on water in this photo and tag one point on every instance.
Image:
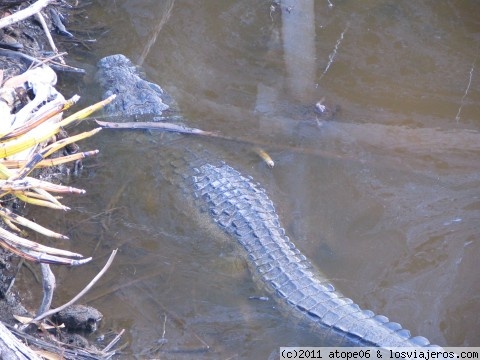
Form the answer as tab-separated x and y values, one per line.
384	199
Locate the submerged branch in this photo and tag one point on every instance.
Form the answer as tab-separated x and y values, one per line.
164	126
48	285
81	293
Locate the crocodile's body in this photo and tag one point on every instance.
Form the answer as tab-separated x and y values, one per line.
242	208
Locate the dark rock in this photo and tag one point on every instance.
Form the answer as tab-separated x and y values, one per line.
79	317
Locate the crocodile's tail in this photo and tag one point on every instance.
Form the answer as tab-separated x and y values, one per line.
243	210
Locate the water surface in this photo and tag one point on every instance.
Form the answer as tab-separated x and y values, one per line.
384	199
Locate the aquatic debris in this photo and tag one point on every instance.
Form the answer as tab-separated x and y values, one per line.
462	101
164	126
264	156
333	54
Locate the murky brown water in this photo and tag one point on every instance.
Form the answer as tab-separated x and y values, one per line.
385	199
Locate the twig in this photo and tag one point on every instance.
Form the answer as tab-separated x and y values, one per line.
29	60
67	351
81	293
50	58
462	101
164	126
48	284
114	341
79	223
23	14
333	54
41	20
59	66
155	126
164	325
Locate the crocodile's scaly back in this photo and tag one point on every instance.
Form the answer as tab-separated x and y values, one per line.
244	211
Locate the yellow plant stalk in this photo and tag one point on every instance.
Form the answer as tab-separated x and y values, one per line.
24	196
37	120
15	180
27	167
40	118
45	131
31	183
32	255
38	157
35	195
12	226
48	186
5	172
47	196
50	149
7	214
16	240
41	194
14	164
84	113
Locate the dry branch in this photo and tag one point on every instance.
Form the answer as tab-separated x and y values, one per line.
81	293
23	14
41	20
12	348
164	126
58	350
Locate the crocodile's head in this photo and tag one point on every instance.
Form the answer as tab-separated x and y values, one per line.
135	96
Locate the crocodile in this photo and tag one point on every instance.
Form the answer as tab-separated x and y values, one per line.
242	208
